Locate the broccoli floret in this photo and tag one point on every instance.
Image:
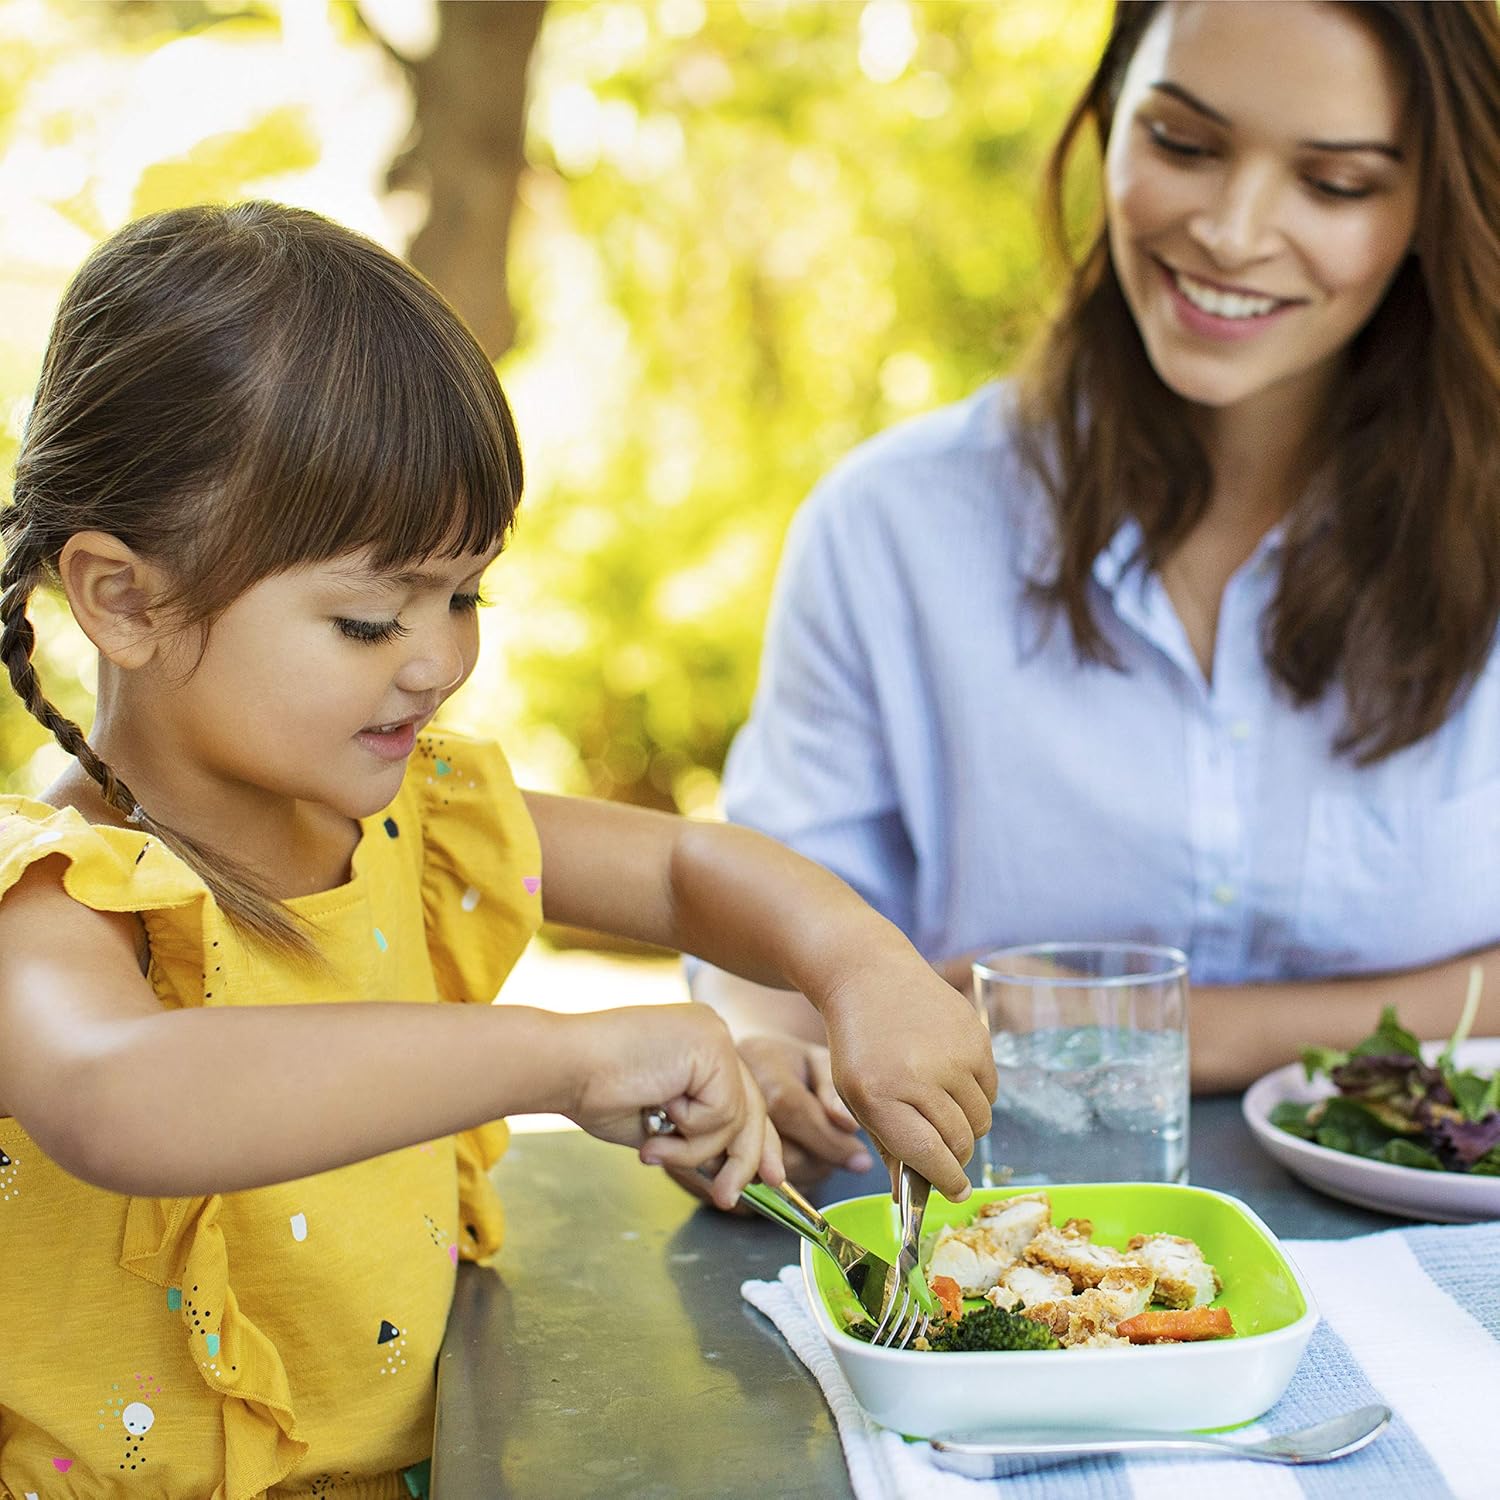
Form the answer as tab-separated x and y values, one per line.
990	1328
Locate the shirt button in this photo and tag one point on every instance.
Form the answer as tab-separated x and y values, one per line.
1224	894
1240	730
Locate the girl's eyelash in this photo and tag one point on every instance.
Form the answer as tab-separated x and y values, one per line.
371	631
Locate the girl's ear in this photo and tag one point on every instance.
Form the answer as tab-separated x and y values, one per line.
112	591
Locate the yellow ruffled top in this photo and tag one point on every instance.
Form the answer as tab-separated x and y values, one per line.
278	1341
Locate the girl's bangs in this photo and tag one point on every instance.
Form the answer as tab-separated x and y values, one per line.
385	432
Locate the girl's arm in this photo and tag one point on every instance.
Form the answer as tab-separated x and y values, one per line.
171	1103
910	1057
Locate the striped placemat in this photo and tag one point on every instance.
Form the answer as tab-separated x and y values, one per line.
1410	1318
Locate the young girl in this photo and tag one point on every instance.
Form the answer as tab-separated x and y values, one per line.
1193	640
241	1147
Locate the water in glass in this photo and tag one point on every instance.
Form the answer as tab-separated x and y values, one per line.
1087	1104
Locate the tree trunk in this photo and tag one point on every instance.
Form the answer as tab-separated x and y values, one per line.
466	154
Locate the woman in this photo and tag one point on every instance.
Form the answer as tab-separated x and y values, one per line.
1188	634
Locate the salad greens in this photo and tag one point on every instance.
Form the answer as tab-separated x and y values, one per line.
1395	1107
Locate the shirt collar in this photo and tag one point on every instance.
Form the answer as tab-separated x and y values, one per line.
1124	547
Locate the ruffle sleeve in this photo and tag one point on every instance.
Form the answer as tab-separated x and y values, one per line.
482	901
123	870
176	1244
109	869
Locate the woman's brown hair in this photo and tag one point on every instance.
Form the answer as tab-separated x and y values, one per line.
1390	577
232	392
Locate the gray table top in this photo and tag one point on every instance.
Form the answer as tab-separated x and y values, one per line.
608	1351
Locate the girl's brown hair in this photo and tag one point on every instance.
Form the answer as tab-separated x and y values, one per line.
232	392
1390	573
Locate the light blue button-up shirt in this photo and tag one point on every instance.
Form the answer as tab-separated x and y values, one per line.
918	731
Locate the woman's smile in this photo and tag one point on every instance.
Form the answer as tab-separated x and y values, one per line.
1217	312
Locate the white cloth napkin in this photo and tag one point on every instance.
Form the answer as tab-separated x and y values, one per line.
1411	1318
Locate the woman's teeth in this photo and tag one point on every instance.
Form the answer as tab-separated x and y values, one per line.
1219	304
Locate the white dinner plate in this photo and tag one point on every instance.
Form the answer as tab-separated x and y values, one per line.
1449	1197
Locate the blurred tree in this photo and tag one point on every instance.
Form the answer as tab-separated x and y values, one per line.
745	236
465	153
752	235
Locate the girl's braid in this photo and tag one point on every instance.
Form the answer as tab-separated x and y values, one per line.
21	575
232	887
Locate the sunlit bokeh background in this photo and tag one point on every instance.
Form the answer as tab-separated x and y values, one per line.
712	245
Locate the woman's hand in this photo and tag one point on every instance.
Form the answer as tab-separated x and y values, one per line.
816	1129
681	1058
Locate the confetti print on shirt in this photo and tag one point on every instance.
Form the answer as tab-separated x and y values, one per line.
299	1227
138	1418
441	1238
533	884
470	899
381	941
204	1323
10	1174
135	1416
392	828
394	1341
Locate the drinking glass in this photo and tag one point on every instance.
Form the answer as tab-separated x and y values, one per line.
1091	1049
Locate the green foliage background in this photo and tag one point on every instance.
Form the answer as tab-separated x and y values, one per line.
750	236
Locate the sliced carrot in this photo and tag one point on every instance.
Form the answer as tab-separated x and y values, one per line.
1185	1326
949	1294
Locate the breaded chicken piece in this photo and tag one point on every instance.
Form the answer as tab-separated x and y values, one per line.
1072	1251
1099	1340
1126	1290
1054	1314
1025	1286
977	1254
1089	1319
1026	1212
1183	1277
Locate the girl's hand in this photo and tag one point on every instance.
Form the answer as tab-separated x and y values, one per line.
816	1130
959	971
913	1060
682	1058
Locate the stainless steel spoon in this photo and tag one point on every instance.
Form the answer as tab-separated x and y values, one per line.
996	1455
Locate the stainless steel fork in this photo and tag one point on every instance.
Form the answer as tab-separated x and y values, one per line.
874	1281
905	1301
